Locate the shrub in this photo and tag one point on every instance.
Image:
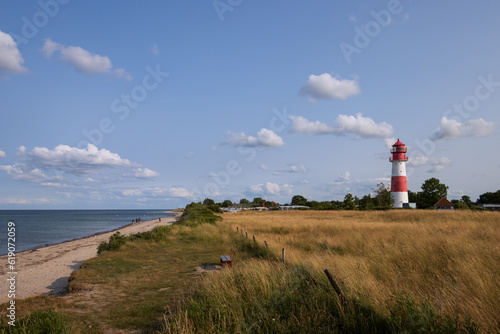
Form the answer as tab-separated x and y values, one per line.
197	213
115	242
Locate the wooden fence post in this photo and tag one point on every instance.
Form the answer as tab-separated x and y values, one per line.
283	255
246	233
336	287
265	242
236	229
254	239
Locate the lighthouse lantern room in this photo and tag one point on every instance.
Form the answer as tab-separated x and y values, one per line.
399	189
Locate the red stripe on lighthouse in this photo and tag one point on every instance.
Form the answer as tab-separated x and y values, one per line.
398	183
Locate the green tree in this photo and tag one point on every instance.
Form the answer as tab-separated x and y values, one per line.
349	202
298	200
244	201
466	199
257	201
489	198
383	197
226	204
208	201
432	191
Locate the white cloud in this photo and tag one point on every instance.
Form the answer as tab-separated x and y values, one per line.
325	86
145	173
344	177
389	142
265	138
2	154
291	169
302	125
256	188
24	200
359	125
77	161
131	192
83	61
436	164
453	129
263	167
181	193
363	126
270	188
10	57
22	172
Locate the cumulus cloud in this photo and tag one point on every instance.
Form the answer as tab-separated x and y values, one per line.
2	154
359	125
436	164
363	126
77	161
74	161
22	172
265	138
270	188
180	193
145	173
325	86
303	125
82	60
10	57
344	177
453	129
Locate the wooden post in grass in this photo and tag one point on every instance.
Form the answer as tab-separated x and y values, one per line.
246	233
236	229
336	287
283	255
254	239
265	242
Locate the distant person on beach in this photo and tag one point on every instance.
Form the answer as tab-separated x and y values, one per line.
159	219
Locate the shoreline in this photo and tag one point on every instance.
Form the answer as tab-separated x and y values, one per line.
45	270
175	215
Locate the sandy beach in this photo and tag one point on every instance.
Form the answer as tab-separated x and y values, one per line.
46	270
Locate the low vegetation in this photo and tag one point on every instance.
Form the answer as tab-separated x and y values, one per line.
401	272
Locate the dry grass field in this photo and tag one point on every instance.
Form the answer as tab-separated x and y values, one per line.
450	259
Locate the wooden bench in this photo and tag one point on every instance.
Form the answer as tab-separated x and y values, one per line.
228	259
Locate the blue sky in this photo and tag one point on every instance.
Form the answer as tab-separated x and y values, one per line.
155	104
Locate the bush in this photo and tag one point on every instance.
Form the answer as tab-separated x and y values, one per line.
38	322
115	242
197	213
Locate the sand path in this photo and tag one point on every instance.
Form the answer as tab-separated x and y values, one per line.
46	270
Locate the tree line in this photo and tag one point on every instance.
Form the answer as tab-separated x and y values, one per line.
432	190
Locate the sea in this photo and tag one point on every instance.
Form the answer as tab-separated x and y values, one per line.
38	228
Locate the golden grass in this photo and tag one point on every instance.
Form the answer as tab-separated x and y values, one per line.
451	259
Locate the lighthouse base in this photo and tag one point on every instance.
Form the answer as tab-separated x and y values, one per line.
399	197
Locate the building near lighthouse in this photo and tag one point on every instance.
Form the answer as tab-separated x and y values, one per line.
399	188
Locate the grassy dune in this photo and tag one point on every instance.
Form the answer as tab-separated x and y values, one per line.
450	259
402	271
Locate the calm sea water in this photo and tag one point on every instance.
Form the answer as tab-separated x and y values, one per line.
36	228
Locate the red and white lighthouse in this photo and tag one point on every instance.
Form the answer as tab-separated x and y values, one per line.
399	189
